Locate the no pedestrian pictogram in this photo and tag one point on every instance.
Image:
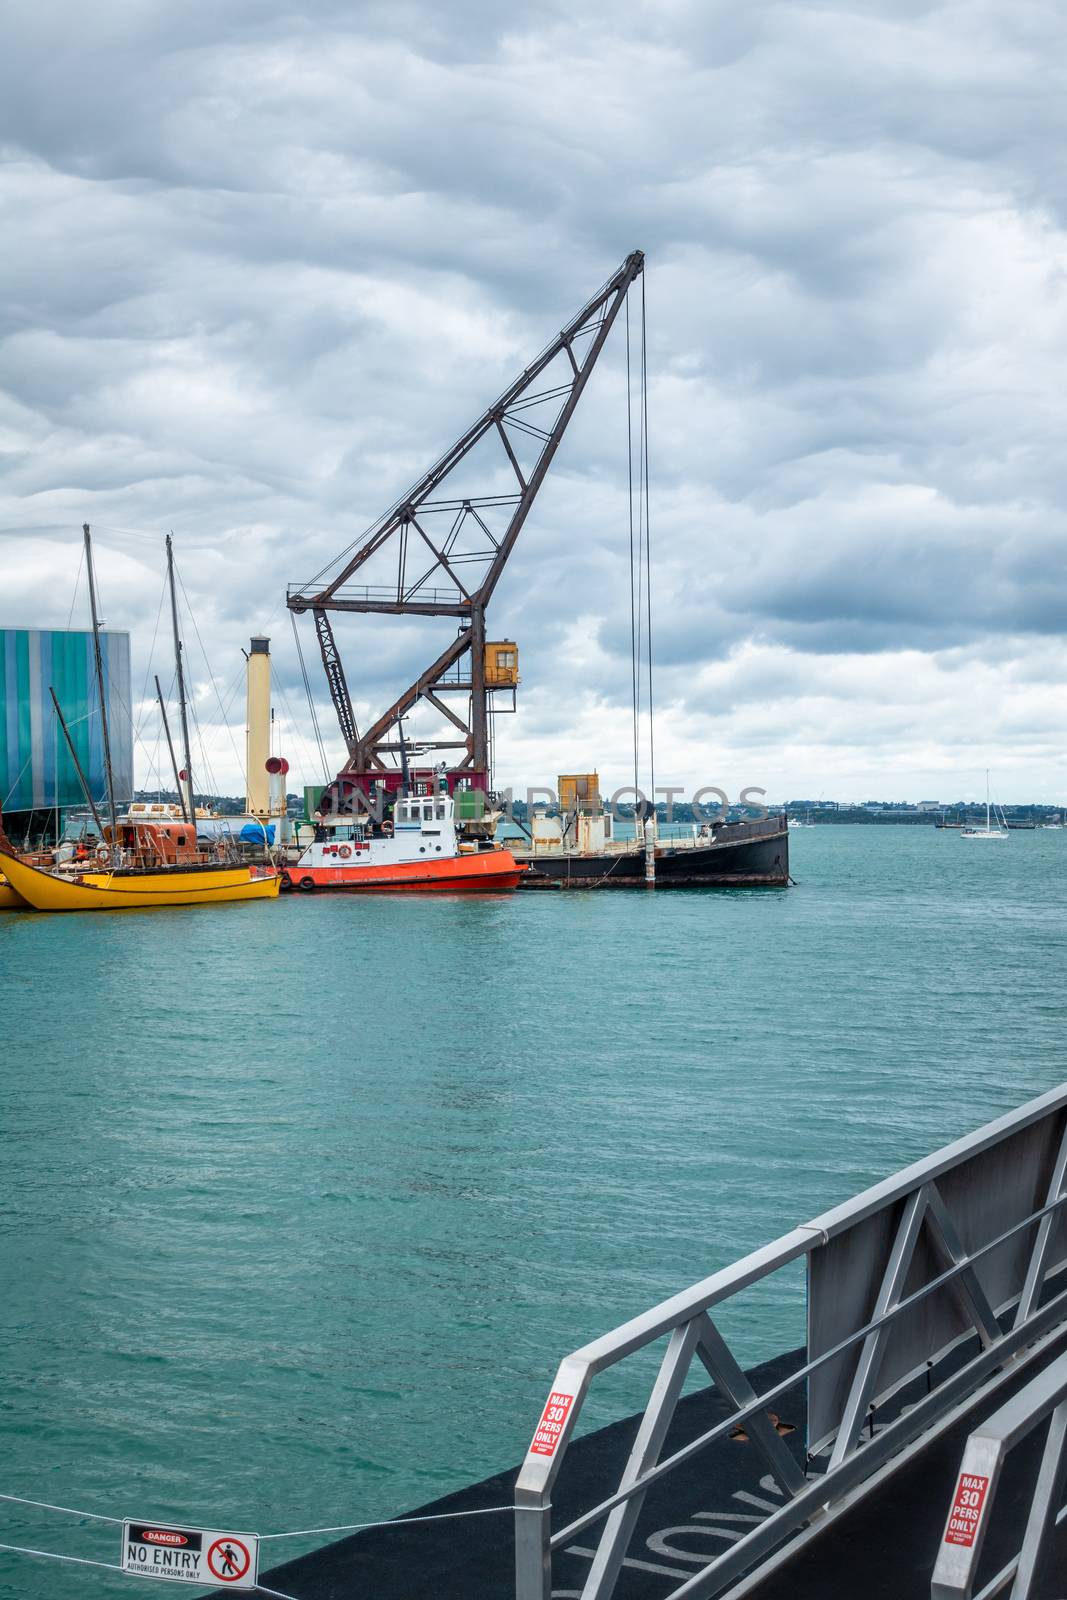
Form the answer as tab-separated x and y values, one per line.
229	1559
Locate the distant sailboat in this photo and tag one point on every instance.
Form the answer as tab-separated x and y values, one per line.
988	832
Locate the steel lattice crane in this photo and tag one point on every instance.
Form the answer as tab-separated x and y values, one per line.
444	547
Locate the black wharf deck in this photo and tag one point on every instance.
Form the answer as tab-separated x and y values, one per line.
882	1549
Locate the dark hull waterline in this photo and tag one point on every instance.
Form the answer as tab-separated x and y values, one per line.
741	856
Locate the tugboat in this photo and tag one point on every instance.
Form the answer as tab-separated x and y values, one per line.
417	850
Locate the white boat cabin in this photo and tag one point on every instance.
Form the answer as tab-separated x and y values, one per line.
422	827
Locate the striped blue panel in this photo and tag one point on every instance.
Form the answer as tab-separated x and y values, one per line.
36	770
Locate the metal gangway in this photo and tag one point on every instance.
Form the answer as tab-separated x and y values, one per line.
927	1295
1043	1400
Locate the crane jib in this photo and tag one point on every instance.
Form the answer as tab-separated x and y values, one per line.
451	550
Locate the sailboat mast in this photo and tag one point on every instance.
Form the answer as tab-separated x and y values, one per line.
170	747
108	773
86	791
187	798
987	799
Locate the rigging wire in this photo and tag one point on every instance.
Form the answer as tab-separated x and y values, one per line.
287	710
18	779
77	583
310	698
145	702
232	692
113	689
214	682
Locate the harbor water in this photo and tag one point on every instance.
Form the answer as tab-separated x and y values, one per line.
302	1202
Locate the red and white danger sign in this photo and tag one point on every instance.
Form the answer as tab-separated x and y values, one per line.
190	1555
966	1511
550	1426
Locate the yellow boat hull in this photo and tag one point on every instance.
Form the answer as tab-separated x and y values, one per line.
10	900
118	891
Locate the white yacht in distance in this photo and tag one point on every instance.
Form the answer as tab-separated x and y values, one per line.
988	832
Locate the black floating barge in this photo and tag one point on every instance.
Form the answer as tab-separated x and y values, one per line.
738	855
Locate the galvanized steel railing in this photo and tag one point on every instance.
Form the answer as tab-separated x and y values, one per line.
1043	1398
911	1205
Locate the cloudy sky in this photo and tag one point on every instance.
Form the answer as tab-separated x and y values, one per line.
262	264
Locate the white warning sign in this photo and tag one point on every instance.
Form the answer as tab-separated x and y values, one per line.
190	1555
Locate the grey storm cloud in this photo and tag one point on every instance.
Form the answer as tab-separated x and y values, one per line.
263	263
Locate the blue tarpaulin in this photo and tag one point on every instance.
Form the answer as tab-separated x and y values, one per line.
252	833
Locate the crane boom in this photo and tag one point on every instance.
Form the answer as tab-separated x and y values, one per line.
449	557
335	678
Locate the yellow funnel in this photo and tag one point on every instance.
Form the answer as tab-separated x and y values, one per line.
257	732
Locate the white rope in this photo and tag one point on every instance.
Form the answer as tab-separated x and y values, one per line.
394	1522
108	1566
295	1533
46	1505
50	1555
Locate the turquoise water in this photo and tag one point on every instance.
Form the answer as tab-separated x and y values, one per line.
303	1202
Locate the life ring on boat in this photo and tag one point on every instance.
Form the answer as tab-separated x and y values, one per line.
344	850
307	884
103	854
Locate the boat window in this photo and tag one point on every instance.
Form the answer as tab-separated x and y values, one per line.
440	811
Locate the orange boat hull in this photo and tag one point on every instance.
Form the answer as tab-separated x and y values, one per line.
483	873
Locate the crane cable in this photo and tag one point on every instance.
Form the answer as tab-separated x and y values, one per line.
311	701
648	543
640	549
633	593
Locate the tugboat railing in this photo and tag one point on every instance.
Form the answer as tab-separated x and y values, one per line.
979	1216
1042	1399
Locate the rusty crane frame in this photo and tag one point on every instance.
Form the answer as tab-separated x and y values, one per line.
449	557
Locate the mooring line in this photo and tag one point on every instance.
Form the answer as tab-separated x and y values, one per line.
294	1533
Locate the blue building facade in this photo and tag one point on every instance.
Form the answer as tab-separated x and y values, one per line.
36	770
